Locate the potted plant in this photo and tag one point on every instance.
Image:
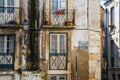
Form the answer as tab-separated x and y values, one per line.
47	22
68	23
59	12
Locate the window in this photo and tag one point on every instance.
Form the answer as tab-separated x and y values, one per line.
58	77
58	4
6	3
58	51
112	53
112	15
6	51
58	43
83	45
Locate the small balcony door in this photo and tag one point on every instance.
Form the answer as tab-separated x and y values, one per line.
6	11
58	10
58	52
6	51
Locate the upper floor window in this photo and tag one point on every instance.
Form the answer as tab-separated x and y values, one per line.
58	4
112	16
6	51
6	3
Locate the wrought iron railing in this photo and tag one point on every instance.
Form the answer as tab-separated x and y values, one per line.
6	61
64	17
58	61
10	15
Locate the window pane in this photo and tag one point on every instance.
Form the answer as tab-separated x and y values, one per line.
2	4
62	4
54	44
112	15
62	44
10	44
1	44
10	3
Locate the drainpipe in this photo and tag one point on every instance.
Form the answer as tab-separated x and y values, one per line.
106	40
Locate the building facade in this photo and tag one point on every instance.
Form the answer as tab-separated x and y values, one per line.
68	40
71	43
112	42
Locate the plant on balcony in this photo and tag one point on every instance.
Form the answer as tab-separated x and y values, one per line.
59	12
47	22
68	23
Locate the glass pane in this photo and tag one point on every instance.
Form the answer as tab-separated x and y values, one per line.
62	4
62	44
54	44
1	2
54	4
1	44
10	2
10	44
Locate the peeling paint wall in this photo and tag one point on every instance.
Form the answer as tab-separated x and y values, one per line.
87	28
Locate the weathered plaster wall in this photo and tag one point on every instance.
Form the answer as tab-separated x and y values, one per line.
80	7
94	40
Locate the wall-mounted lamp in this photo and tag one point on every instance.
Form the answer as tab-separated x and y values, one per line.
26	25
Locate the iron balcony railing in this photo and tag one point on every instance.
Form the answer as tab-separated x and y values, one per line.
58	61
64	17
10	15
6	61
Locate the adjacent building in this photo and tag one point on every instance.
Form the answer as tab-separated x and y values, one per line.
112	39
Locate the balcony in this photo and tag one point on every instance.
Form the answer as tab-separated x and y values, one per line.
59	18
10	16
6	61
58	61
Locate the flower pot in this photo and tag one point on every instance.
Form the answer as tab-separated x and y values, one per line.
68	23
47	22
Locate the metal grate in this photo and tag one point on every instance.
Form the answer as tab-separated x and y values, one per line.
10	15
58	61
63	17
